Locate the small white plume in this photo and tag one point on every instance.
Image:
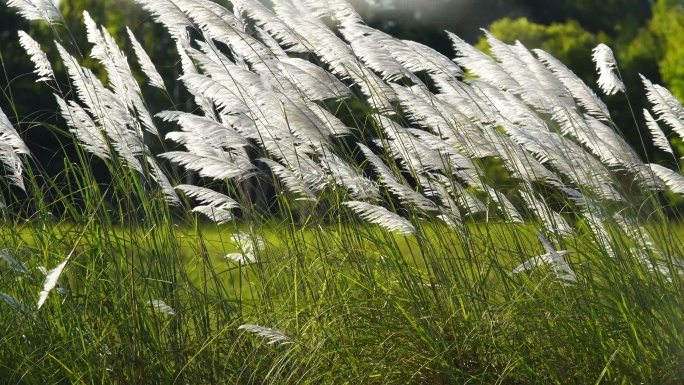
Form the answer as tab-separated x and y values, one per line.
382	217
274	336
608	80
161	306
657	134
38	57
553	258
146	63
50	282
36	9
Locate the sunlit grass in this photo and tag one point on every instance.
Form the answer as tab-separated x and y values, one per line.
405	241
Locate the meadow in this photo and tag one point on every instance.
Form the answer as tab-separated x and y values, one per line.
335	206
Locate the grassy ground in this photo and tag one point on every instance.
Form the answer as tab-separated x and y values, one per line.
356	304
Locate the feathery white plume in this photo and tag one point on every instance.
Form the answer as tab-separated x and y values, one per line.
241	258
145	62
217	167
161	306
51	279
38	57
291	181
208	197
84	128
657	134
160	177
11	145
382	217
217	215
36	9
168	13
273	336
577	88
482	65
348	177
608	80
553	221
248	245
553	258
672	179
668	108
407	195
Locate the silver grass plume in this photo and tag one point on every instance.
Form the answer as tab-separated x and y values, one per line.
208	197
168	13
666	106
273	336
672	179
219	166
577	88
38	57
11	146
608	80
146	63
109	111
201	133
84	128
36	9
348	177
504	205
269	22
161	306
594	215
553	221
51	279
538	86
406	195
121	79
290	180
482	65
381	217
217	215
657	134
163	181
248	246
553	258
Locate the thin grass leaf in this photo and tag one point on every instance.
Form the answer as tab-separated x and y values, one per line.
13	302
14	264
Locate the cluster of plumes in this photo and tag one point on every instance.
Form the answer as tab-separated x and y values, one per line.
263	79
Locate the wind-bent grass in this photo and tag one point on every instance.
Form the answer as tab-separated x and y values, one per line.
378	216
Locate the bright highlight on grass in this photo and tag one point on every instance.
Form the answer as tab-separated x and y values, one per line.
336	206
